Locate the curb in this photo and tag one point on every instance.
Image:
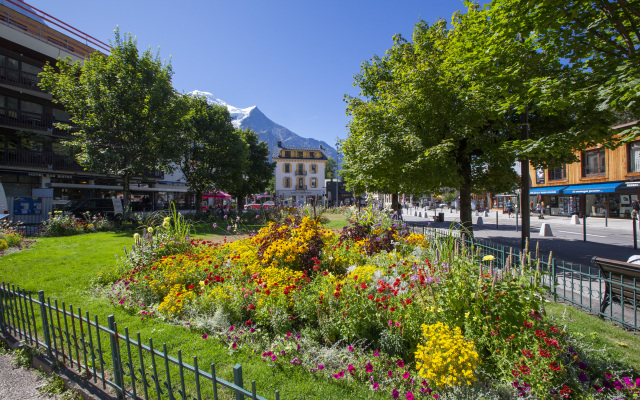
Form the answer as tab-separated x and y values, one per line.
72	380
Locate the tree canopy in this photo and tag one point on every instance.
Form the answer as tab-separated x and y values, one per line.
123	107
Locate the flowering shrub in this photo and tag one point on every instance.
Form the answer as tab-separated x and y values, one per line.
446	358
373	303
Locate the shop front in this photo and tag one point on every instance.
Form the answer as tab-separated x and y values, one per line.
604	200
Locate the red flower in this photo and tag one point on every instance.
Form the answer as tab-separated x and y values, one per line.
370	297
363	285
528	324
545	353
555	366
191	286
550	342
524	369
527	353
336	294
252	307
565	392
267	292
515	373
553	329
325	273
540	333
248	322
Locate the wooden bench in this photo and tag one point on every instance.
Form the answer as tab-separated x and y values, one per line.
622	282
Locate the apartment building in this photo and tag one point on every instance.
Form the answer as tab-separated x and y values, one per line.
603	183
33	161
299	173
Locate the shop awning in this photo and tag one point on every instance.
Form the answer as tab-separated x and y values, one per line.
546	190
605	187
216	195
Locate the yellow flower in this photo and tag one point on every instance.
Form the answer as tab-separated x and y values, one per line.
150	229
488	258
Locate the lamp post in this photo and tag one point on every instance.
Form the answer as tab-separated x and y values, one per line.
337	170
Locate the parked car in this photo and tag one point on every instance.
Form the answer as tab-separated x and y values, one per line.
110	207
258	206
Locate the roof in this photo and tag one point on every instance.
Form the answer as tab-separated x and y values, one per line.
280	147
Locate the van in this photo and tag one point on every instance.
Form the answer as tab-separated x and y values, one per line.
110	208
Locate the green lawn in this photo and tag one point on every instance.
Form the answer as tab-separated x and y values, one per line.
66	267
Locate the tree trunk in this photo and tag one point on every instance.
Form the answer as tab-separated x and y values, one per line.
126	192
240	202
464	169
395	204
198	204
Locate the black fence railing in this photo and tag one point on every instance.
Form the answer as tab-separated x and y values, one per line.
25	119
108	356
39	159
580	285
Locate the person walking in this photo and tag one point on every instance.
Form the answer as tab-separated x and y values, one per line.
635	205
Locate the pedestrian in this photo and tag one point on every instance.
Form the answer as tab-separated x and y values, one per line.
635	205
539	210
509	209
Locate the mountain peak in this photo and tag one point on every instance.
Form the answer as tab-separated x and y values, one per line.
267	130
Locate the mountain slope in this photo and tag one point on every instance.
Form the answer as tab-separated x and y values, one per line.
267	130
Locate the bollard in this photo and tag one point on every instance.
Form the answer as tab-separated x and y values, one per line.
516	222
496	220
584	228
635	234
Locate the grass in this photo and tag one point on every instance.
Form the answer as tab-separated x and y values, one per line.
336	221
66	267
621	344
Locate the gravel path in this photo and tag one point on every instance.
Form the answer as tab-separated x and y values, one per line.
19	383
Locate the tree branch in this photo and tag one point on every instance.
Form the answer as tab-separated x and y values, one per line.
594	33
619	26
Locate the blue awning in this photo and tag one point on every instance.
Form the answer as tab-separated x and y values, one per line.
546	190
605	187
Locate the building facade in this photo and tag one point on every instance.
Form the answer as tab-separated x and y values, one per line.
603	183
33	160
299	173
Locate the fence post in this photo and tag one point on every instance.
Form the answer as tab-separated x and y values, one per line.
635	233
237	380
45	323
2	323
115	357
496	220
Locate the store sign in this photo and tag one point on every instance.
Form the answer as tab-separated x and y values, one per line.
539	176
27	206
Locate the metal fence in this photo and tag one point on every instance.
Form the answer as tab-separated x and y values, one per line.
583	286
108	357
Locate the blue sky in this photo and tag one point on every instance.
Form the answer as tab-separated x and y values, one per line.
294	59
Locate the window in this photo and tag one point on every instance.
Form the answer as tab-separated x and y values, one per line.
287	168
287	154
287	182
556	174
314	169
593	163
34	108
300	169
314	182
300	155
634	157
312	154
301	183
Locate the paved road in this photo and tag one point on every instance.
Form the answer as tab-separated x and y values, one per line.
615	240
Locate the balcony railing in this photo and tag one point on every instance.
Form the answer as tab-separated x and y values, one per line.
25	119
38	159
301	173
15	77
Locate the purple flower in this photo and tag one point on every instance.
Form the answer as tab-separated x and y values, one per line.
583	377
368	367
229	227
274	357
395	394
400	364
350	348
409	396
582	366
320	366
205	336
375	386
376	353
234	345
215	225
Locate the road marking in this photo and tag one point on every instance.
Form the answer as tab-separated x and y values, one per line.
588	234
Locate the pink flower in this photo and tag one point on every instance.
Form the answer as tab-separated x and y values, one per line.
350	368
234	345
406	375
395	394
205	336
400	364
390	374
368	367
409	396
320	366
376	354
375	386
350	348
274	357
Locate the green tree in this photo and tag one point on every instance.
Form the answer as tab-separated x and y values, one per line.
330	168
208	146
257	170
123	106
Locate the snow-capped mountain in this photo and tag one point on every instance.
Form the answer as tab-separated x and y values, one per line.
267	130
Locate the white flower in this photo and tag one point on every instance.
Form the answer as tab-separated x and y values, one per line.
150	229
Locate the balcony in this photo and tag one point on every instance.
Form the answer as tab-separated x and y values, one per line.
24	119
301	173
301	187
38	159
15	77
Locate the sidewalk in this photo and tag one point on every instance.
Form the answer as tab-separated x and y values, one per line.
615	240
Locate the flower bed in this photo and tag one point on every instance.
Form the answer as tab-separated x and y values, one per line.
373	303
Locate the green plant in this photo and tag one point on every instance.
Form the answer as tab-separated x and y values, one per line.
3	245
23	357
